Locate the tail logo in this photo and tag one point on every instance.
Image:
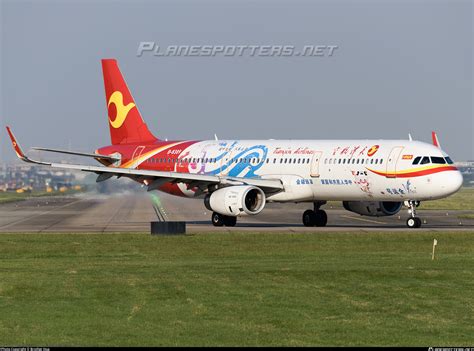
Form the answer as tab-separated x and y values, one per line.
122	111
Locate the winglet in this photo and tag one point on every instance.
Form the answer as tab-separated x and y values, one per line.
434	137
16	146
19	152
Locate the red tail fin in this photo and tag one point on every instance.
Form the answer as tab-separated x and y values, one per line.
125	122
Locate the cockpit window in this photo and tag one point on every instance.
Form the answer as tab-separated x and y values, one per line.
449	161
425	160
416	160
438	160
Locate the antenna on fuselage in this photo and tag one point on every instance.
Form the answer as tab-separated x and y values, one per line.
215	137
409	137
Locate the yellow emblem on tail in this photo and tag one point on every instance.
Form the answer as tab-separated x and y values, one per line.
122	111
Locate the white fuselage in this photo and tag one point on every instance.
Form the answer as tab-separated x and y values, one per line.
356	170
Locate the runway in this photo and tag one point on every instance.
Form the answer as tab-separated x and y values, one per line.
132	212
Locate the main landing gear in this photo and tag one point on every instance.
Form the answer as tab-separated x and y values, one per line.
219	220
315	217
413	221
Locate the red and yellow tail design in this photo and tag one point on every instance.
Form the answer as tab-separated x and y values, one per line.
125	122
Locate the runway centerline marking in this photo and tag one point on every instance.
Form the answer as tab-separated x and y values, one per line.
363	219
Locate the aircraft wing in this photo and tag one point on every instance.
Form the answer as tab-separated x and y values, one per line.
97	156
154	179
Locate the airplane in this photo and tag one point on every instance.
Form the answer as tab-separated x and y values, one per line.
238	177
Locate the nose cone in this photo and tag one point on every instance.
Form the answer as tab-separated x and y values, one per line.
453	183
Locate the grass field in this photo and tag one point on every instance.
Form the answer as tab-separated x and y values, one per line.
237	289
462	200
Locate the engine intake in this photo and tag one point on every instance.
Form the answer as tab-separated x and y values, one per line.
236	200
373	208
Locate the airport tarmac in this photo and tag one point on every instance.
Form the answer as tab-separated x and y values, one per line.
132	212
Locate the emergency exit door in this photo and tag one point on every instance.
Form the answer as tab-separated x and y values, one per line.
314	171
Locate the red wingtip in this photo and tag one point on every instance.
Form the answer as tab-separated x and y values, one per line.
434	137
16	147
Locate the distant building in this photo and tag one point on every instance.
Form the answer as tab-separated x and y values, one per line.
27	177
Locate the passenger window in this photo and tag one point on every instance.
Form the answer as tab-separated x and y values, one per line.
438	160
340	161
362	161
449	161
357	161
372	161
425	160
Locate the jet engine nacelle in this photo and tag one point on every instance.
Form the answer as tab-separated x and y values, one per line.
236	200
373	208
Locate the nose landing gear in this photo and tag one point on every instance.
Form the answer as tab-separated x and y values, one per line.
413	221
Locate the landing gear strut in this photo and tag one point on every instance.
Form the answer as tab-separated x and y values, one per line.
413	221
315	217
219	220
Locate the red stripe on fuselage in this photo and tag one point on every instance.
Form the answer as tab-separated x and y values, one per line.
172	153
416	173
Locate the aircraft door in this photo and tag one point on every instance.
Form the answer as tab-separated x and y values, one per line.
138	151
314	171
392	161
136	154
